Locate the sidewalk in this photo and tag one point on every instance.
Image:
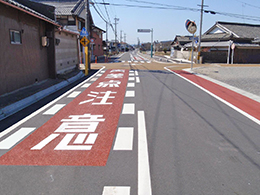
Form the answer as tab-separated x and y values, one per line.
17	100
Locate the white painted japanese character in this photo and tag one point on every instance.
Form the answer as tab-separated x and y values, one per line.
81	126
104	98
115	76
118	70
110	83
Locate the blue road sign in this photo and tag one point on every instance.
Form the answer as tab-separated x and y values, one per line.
83	32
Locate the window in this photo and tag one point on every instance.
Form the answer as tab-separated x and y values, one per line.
15	37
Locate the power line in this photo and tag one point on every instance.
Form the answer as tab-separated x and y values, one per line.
99	12
170	7
107	12
165	5
250	5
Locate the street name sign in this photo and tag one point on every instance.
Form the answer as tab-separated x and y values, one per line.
144	30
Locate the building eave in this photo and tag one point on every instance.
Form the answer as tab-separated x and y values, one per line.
27	10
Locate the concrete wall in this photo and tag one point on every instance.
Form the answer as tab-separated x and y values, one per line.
186	55
66	52
21	64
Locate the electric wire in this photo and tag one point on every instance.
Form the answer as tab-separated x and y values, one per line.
169	7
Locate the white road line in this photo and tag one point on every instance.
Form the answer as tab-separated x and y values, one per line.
8	130
124	138
130	84
116	190
131	79
219	98
137	80
128	109
136	73
54	109
131	74
144	178
86	85
99	75
10	141
130	94
93	79
74	94
44	142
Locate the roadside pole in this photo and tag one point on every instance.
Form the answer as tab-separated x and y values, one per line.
87	61
192	28
148	31
151	43
191	65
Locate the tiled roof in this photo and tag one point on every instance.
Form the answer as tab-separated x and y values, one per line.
233	30
243	30
66	8
27	9
62	8
78	8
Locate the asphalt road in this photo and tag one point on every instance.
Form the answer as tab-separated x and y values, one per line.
161	134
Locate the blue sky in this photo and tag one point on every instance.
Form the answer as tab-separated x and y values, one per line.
167	23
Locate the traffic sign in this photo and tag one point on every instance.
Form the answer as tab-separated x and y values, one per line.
84	32
84	41
144	30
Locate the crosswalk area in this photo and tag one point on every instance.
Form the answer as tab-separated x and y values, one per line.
133	58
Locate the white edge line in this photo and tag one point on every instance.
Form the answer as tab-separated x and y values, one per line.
218	98
8	130
144	178
116	190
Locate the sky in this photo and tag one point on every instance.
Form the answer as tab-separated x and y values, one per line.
167	23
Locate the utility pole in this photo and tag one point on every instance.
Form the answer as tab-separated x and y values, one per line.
201	18
151	43
121	38
116	19
106	32
87	26
125	41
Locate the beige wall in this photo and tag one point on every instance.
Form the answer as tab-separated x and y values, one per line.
66	52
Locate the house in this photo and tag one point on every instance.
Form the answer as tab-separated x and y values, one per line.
27	50
227	42
179	41
71	15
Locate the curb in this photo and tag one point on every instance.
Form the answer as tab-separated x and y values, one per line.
19	105
235	89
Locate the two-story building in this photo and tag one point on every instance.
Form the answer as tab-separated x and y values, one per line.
71	15
27	44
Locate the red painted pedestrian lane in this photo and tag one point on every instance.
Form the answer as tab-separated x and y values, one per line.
81	133
246	104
